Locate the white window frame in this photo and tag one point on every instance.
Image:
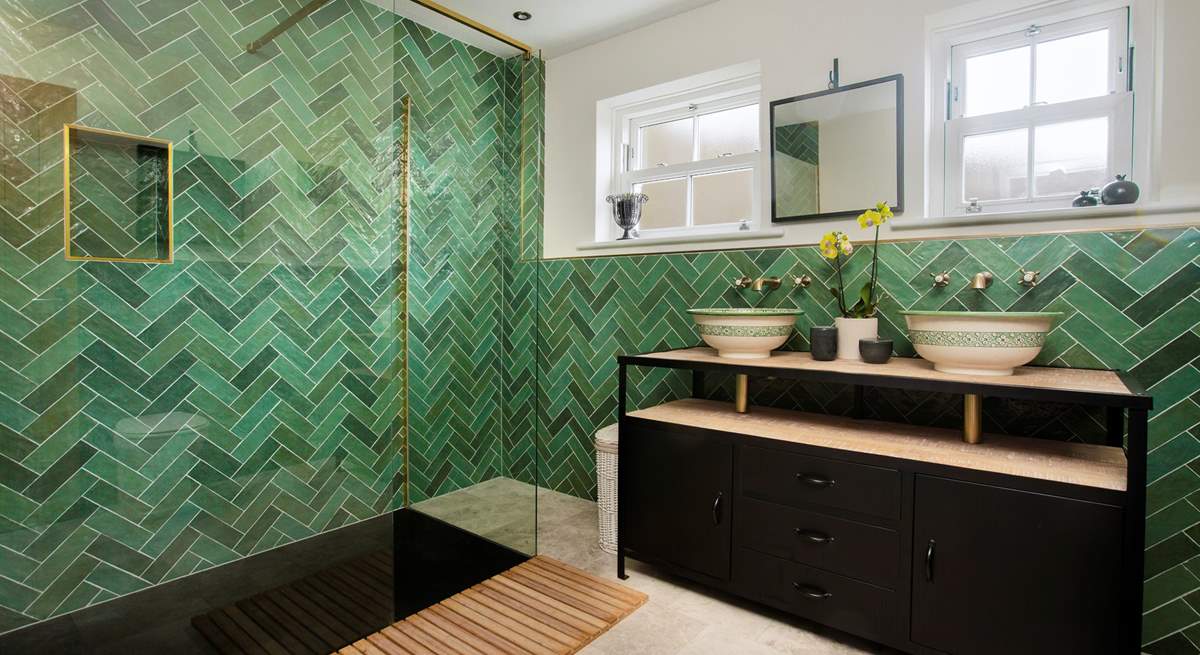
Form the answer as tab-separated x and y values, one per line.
951	46
628	120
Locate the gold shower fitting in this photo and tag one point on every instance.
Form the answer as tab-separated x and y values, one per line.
312	7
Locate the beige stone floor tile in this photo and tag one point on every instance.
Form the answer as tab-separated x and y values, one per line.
650	630
717	640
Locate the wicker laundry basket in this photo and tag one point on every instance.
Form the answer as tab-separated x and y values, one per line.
606	486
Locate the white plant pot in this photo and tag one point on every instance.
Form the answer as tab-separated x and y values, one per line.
852	330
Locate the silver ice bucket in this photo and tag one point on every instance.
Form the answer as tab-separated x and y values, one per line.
627	211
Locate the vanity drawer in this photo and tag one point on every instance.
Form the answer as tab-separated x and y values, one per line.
833	600
847	547
794	479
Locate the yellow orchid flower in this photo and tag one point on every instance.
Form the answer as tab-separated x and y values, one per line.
869	218
884	211
829	245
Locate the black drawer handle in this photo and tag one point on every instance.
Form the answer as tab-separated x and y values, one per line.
813	536
815	481
717	508
809	591
929	552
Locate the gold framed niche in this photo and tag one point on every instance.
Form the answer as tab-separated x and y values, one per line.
151	157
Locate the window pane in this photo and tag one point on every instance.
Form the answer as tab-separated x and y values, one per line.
998	81
995	165
1073	68
729	132
667	206
1070	157
722	197
667	143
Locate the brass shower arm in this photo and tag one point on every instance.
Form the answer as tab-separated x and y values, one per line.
286	25
313	6
476	25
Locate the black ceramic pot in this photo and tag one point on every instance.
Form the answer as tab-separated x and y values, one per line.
875	351
822	340
1119	192
1085	199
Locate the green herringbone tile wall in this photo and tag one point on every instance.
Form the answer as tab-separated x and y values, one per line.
273	341
1131	301
464	182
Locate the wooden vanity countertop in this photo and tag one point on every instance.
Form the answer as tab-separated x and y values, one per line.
1089	465
1033	377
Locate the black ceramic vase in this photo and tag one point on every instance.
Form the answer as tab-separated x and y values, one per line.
822	340
1085	199
1119	192
875	351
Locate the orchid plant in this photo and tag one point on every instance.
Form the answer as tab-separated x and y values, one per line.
834	245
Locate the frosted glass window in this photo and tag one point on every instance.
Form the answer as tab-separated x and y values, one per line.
729	132
995	165
1070	157
667	206
1073	68
667	143
722	197
998	81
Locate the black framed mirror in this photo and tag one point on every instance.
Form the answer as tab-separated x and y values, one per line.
838	152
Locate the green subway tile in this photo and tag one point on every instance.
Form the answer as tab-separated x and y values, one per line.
1169	618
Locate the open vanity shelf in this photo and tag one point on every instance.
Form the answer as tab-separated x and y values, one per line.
903	534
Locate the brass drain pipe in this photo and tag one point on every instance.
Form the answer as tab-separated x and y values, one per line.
741	393
972	418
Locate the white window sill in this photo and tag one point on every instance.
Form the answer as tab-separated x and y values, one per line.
733	235
1041	215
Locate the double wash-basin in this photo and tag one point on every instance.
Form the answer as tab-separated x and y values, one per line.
967	343
745	333
979	343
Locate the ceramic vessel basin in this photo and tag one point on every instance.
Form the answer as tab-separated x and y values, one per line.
979	343
745	333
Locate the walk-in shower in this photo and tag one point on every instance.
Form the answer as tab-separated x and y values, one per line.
267	338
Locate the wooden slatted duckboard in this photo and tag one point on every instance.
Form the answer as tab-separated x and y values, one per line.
541	606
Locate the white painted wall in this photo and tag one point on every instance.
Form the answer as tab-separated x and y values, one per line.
858	151
794	43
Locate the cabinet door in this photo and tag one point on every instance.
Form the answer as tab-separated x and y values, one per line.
1002	571
675	498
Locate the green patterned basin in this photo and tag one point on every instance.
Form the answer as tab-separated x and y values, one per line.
979	343
746	311
745	333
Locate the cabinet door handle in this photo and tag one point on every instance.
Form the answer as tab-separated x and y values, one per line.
929	552
815	481
809	591
717	508
814	536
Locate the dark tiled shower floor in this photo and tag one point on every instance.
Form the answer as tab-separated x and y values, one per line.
312	596
161	618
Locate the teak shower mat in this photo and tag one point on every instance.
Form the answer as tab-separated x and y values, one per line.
540	606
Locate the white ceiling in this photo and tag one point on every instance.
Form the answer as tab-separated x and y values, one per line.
557	26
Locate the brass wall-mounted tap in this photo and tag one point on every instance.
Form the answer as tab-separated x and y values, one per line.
981	280
766	283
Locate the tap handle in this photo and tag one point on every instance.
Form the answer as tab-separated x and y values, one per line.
941	279
742	282
1029	278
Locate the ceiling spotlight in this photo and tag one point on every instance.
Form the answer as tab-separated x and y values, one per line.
522	15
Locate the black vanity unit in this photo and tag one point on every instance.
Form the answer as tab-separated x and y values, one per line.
901	534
